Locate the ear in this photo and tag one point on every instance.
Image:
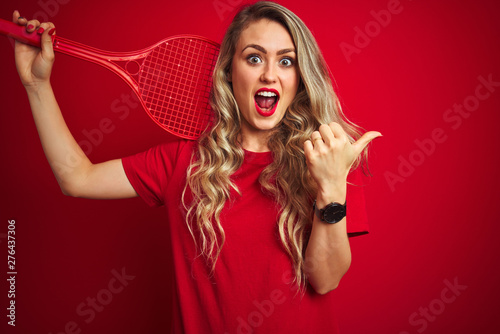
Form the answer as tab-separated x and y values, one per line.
229	76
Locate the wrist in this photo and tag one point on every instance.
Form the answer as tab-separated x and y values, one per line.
36	87
332	193
38	91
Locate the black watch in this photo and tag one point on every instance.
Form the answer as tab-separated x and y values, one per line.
332	213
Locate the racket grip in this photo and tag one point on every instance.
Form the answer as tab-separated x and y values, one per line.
19	33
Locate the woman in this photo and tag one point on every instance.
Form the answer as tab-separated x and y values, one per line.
256	206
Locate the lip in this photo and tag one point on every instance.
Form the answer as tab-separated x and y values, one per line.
268	112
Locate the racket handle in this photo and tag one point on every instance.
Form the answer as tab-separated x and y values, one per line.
19	33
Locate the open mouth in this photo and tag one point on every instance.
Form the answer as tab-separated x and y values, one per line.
266	101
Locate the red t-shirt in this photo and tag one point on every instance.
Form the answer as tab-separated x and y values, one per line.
250	290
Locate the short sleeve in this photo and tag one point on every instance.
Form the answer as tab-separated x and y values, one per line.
149	172
357	221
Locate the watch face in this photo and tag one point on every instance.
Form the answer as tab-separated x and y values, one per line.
333	213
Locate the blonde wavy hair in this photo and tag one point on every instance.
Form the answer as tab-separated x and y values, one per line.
219	154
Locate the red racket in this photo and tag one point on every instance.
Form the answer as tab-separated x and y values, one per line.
171	78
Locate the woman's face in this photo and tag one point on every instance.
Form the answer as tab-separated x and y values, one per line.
264	76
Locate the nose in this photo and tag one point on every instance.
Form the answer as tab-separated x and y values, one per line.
269	74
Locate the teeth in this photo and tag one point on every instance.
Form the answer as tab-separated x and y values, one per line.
266	94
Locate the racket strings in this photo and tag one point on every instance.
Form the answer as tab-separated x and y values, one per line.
175	83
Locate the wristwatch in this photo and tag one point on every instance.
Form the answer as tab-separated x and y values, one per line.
332	213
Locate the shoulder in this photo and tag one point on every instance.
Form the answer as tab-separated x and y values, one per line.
151	171
176	148
165	156
171	150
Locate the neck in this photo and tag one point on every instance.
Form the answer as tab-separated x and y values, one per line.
254	143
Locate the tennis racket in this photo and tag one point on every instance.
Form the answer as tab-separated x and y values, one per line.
172	78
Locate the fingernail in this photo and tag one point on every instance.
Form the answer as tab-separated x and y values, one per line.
20	18
30	26
40	31
52	31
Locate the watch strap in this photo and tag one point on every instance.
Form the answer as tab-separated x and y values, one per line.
332	213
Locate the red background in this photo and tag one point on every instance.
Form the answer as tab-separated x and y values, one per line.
432	222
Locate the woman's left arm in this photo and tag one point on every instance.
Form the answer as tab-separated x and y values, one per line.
329	156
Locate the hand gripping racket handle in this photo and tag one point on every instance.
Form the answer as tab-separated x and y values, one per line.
60	44
19	33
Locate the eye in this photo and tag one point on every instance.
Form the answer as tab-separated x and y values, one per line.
254	59
286	62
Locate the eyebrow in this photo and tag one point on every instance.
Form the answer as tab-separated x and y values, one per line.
261	49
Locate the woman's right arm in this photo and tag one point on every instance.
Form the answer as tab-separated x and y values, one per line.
76	174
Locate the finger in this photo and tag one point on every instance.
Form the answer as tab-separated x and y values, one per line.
339	132
308	148
315	135
326	134
44	26
16	17
19	20
365	139
32	25
337	129
47	41
316	138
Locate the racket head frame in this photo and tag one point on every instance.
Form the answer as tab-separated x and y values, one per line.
184	116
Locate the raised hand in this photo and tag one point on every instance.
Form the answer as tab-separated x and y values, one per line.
34	65
330	155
